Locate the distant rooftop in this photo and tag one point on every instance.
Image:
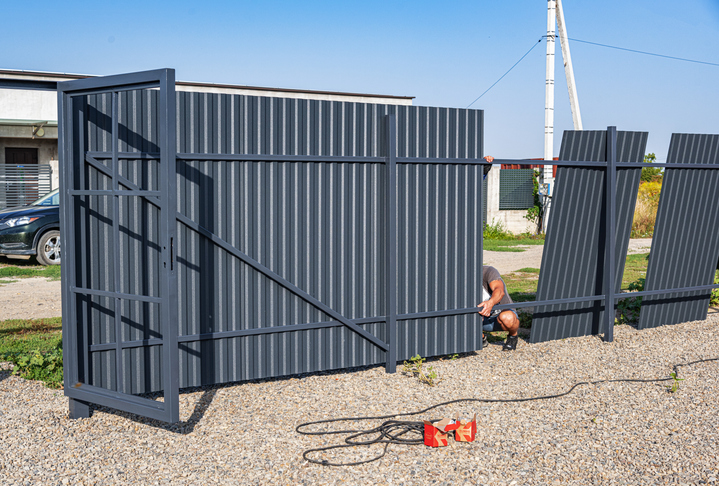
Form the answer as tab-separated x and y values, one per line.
22	79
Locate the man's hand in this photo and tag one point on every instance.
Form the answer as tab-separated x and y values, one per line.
489	158
485	308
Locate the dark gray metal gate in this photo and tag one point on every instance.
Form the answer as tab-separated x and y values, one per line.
118	223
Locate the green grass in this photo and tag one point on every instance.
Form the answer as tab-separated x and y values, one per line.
511	245
635	268
522	284
28	269
529	270
34	346
24	336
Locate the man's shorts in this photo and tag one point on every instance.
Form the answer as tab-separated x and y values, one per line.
490	324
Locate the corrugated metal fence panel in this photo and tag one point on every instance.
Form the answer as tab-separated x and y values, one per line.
23	184
439	236
138	248
226	124
319	225
574	248
515	188
685	246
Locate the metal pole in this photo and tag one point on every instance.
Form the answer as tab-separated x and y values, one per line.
549	89
391	244
610	237
548	172
568	69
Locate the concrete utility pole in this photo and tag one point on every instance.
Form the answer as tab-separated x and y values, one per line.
555	16
549	89
547	173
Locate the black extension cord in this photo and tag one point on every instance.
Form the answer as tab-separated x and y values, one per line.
412	433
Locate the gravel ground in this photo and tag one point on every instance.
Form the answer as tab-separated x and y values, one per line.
615	433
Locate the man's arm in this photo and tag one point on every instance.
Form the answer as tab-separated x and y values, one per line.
497	288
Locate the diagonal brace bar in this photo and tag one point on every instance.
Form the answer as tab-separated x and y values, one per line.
125	182
281	281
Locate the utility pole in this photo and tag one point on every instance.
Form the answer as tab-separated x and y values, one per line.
549	89
555	15
547	174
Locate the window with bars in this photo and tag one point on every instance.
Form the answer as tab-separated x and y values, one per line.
515	189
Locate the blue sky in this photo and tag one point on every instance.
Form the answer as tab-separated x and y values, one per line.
443	53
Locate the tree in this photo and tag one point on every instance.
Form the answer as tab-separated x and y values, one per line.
651	174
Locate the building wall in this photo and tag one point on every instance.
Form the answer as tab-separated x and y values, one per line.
21	104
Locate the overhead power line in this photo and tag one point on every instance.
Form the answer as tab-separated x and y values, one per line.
644	52
594	44
503	75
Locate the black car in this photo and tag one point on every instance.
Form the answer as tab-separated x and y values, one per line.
32	230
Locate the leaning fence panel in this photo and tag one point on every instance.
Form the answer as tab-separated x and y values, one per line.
685	247
574	250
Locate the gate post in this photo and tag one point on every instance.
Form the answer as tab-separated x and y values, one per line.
610	237
391	243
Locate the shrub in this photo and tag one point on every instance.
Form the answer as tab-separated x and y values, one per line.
629	308
497	231
645	213
35	365
536	212
651	174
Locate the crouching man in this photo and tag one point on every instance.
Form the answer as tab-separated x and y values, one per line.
494	292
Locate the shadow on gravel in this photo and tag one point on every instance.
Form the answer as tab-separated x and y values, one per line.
184	428
208	395
5	374
209	392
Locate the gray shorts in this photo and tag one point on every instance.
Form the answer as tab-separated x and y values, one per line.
490	324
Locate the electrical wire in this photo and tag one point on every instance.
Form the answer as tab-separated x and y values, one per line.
503	75
644	52
412	433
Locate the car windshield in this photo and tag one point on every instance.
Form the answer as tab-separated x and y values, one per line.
50	199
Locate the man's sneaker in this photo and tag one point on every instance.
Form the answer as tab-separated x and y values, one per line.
485	343
511	343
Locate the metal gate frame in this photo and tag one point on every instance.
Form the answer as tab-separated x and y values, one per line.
74	158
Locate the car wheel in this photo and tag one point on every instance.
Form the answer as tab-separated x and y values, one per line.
48	248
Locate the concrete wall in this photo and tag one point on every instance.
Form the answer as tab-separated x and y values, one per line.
512	220
22	104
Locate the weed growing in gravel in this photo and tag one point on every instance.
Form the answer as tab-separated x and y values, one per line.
45	367
415	367
675	384
629	308
714	300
